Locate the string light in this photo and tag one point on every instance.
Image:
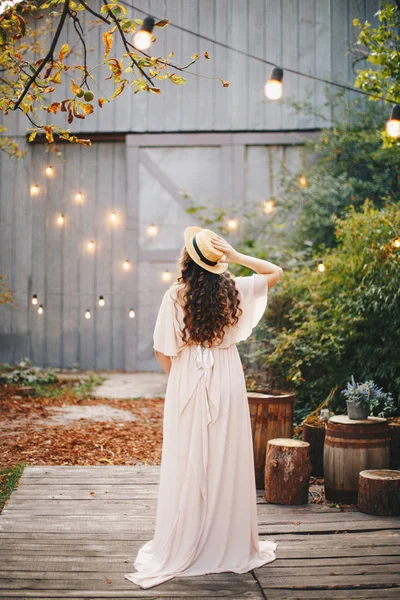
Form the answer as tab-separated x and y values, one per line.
79	197
166	276
232	224
143	38
34	189
113	216
87	314
321	266
127	265
273	87
61	219
101	301
302	181
40	309
34	299
91	245
396	242
393	124
269	206
131	313
152	230
49	171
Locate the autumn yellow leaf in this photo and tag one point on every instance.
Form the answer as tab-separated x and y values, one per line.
224	83
32	136
108	42
154	90
64	50
53	108
162	23
118	91
206	56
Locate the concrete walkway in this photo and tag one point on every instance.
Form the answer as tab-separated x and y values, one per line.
144	384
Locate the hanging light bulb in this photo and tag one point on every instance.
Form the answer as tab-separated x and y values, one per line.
87	314
131	313
127	265
61	219
91	245
321	266
34	299
152	230
113	216
49	171
232	224
273	87
79	197
393	124
101	301
269	206
40	309
166	276
34	189
396	242
143	38
302	181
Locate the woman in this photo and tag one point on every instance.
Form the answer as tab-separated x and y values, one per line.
206	518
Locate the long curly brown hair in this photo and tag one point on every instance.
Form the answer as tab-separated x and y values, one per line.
210	302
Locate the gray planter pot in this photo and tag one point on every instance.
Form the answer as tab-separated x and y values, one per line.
357	411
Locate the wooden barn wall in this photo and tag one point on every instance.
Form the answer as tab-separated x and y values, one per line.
313	36
146	179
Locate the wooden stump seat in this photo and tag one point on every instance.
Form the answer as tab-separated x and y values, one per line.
287	471
379	492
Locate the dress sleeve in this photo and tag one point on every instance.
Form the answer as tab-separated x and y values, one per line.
253	293
167	338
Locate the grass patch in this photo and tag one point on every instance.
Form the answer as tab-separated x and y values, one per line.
9	478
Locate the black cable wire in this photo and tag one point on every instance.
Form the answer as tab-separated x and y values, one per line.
263	60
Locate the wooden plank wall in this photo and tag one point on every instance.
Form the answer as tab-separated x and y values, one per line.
311	35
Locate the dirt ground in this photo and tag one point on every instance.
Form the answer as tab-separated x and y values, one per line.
79	431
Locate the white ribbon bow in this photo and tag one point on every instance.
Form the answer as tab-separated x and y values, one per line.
205	360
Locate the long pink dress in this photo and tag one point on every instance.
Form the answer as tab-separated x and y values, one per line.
206	519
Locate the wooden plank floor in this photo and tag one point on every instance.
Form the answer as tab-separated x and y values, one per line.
71	532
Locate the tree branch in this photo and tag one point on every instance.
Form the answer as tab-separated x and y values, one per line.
48	56
124	41
93	12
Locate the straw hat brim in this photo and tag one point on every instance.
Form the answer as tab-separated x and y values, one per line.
190	232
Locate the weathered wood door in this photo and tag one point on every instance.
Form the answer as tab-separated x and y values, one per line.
168	173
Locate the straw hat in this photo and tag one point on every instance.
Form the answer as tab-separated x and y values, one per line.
199	246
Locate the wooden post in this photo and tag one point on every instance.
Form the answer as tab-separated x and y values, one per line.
287	471
379	492
315	436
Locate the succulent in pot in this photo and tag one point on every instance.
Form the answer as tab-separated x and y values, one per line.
362	398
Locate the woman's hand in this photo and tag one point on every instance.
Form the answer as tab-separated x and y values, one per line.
230	254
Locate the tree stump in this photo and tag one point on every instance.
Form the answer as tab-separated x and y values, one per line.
287	471
379	492
315	436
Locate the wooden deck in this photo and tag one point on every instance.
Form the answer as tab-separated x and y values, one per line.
71	532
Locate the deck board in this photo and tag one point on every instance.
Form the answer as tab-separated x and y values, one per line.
71	532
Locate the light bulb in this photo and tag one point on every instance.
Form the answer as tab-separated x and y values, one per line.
393	125
131	313
79	197
101	301
232	224
113	216
34	189
142	40
321	266
40	309
166	276
396	243
273	87
152	230
127	265
269	206
91	245
87	314
60	219
393	128
34	299
302	181
49	171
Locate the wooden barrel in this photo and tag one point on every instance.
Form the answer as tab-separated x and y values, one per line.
315	436
271	417
352	446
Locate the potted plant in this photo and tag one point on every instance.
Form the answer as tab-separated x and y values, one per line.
362	398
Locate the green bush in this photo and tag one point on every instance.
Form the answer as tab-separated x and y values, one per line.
320	328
